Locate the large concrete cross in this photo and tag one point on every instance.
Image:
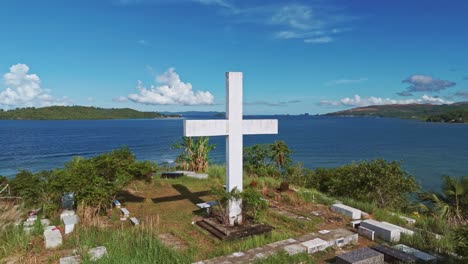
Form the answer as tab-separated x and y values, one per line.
233	127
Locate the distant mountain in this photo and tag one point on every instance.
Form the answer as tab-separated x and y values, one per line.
452	113
77	112
196	113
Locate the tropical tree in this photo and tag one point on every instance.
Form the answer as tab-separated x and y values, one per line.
194	156
451	204
280	154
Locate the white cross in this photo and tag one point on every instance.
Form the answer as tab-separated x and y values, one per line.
234	127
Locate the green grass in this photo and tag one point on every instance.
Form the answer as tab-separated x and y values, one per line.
13	240
126	246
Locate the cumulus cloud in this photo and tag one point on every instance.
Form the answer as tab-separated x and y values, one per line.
424	83
172	91
274	104
358	101
463	94
24	89
347	81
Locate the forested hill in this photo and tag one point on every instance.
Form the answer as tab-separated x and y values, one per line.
76	112
452	113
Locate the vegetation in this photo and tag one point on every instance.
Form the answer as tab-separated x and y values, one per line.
194	156
76	113
453	113
94	181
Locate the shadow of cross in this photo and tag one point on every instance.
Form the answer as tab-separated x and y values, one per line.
185	194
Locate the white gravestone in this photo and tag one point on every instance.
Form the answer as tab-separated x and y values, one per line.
233	127
348	211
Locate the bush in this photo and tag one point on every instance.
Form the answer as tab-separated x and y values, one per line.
253	203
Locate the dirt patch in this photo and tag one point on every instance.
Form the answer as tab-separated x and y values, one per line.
172	241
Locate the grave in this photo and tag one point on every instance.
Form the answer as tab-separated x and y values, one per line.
365	232
394	255
97	253
356	223
134	221
66	213
233	128
233	232
382	230
348	211
69	222
402	229
421	256
315	245
361	256
295	249
52	237
125	213
70	260
116	203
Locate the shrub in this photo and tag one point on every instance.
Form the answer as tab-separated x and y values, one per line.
253	203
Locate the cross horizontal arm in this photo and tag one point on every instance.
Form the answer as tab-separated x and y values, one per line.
199	128
259	126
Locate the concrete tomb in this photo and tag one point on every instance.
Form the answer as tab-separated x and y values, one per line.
294	249
361	256
134	221
421	256
52	237
116	203
66	213
125	213
394	255
233	128
69	222
70	260
402	229
348	211
365	232
315	245
382	230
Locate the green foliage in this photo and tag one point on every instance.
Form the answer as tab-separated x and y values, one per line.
76	113
194	156
461	241
253	204
94	181
13	240
267	159
451	204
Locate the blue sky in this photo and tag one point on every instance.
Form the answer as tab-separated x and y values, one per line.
297	56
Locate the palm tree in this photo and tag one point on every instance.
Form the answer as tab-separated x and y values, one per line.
194	156
279	153
450	204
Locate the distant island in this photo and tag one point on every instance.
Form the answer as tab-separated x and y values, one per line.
451	113
77	113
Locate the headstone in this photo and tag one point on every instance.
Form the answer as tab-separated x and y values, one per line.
125	212
70	260
348	211
294	249
366	233
52	237
384	231
66	213
233	127
69	222
116	203
134	221
421	256
97	253
315	245
361	256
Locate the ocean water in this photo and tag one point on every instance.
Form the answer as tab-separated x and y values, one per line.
427	150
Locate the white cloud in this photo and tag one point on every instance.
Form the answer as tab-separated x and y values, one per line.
24	89
320	40
171	92
346	81
120	99
294	16
358	101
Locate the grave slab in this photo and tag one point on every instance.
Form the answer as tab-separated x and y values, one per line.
66	213
294	249
384	231
361	256
348	211
70	260
315	245
52	237
97	253
69	222
421	256
365	232
134	221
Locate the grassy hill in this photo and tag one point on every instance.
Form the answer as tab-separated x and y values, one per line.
453	113
76	112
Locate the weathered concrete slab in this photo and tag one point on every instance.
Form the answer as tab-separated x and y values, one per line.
315	245
361	256
125	212
69	222
97	253
365	232
66	213
294	249
382	230
421	256
355	224
402	229
70	260
282	243
52	237
348	211
134	221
